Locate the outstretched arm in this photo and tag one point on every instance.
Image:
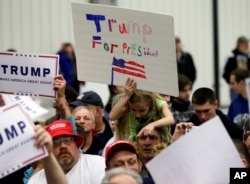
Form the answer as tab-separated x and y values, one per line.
65	113
167	120
53	171
116	111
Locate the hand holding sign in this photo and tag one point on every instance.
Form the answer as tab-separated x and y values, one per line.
42	138
181	129
59	85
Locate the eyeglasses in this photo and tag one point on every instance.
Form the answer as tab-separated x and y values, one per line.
67	141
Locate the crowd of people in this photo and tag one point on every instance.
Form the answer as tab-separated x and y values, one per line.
92	143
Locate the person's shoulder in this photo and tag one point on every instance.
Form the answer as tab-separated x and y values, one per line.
37	178
89	157
160	101
238	100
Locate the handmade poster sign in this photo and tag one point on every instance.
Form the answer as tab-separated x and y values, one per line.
113	44
17	143
28	74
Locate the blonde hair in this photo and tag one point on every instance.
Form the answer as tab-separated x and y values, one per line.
121	124
150	99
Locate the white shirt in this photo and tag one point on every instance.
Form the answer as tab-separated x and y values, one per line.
90	169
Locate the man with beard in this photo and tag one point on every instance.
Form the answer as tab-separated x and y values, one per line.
79	168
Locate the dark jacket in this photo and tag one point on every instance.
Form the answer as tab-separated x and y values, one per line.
231	63
233	130
185	66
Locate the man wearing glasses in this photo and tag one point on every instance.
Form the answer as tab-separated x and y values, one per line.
79	168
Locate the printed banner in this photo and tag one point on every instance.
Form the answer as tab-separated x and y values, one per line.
17	140
26	103
28	74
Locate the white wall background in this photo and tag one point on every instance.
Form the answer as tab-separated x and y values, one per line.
40	26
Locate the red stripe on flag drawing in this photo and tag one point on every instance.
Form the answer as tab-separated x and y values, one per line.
127	72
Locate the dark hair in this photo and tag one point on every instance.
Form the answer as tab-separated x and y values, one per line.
71	94
203	95
240	74
177	40
183	81
242	39
242	149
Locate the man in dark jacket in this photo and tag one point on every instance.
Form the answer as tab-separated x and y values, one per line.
185	63
239	58
205	106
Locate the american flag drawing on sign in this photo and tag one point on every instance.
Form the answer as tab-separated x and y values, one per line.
131	68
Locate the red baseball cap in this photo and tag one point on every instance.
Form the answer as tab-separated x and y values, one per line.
119	145
64	127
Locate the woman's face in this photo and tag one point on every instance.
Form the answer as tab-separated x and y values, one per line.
140	109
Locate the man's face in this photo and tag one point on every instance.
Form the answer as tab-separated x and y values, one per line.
243	47
66	152
125	159
82	116
184	94
178	46
236	87
146	143
206	111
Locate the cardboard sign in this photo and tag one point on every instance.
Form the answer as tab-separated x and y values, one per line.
204	155
17	140
28	74
113	44
26	103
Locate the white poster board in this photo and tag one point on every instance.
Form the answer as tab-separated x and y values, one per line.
113	44
17	140
28	105
204	155
28	74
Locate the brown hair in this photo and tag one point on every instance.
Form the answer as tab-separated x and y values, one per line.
240	74
150	99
